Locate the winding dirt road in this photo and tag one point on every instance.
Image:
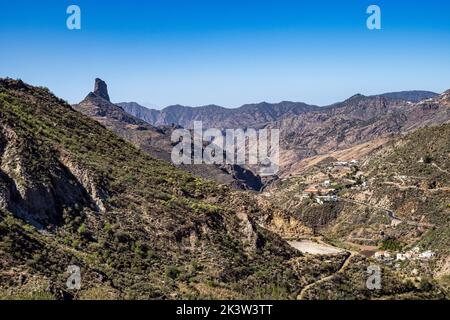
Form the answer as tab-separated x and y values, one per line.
342	267
390	214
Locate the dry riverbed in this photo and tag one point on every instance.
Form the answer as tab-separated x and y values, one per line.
311	247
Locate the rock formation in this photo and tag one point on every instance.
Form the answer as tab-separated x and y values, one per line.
101	89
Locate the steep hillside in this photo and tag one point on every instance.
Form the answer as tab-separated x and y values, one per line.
412	178
429	112
73	193
396	199
406	202
143	113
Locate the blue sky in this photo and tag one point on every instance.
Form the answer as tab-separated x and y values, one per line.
197	52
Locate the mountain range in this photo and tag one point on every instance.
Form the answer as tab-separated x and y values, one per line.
308	131
249	115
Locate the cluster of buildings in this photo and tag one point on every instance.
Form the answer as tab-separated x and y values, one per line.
413	254
362	186
321	193
345	163
328	198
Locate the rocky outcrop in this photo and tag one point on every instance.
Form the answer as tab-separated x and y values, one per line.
37	187
84	178
101	89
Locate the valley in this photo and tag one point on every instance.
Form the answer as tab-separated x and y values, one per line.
362	182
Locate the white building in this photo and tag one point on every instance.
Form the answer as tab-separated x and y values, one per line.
409	255
426	255
383	256
329	198
378	255
401	257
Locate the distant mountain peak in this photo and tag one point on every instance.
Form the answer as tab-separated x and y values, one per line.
101	89
356	97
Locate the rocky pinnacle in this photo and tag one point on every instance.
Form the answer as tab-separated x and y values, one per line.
101	89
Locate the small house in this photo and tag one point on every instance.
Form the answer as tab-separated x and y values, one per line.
311	190
427	255
401	257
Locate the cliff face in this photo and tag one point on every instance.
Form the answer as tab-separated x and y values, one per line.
38	186
143	113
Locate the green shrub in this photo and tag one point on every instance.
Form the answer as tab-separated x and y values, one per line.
173	272
391	245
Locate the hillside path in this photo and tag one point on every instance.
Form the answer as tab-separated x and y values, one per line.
391	214
440	169
342	267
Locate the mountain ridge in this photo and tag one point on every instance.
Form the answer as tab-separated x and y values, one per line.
268	112
215	116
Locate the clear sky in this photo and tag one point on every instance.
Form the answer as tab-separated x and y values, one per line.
227	52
